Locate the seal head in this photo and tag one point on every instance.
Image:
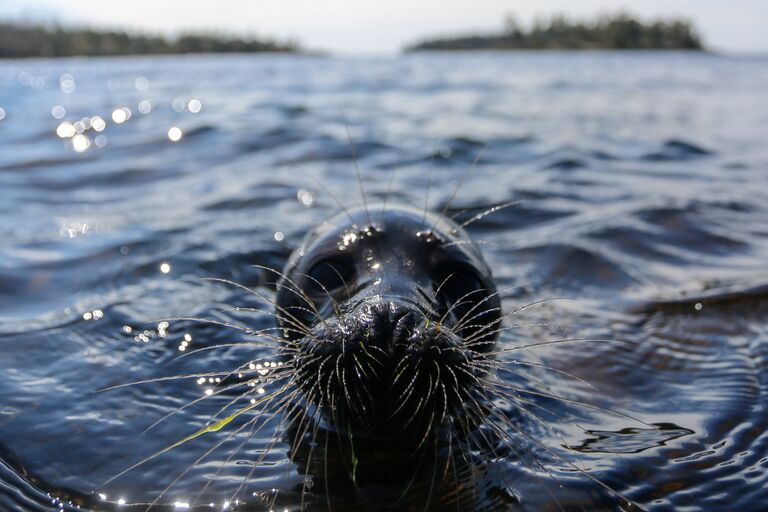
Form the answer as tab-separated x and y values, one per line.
390	316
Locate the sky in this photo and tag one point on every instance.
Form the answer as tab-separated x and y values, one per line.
385	26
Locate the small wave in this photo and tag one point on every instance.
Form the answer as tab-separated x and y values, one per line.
673	150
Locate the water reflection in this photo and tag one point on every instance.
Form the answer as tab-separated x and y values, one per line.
174	134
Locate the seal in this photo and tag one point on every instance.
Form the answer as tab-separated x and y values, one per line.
390	315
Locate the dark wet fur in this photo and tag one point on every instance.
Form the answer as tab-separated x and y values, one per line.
397	348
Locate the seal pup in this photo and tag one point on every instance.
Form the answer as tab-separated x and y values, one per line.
390	312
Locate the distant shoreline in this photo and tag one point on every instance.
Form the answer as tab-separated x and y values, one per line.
615	32
20	40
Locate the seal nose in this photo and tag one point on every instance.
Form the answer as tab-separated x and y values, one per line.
390	322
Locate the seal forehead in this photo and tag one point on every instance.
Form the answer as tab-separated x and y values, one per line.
353	234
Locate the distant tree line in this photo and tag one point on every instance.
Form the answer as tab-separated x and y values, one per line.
616	32
25	40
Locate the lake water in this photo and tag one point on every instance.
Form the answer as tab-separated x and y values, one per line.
642	181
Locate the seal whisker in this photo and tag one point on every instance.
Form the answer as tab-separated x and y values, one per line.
488	416
174	377
463	320
312	445
209	321
400	368
461	181
200	459
515	397
253	422
520	401
279	350
418	410
168	448
459	303
487	212
557	342
542	366
215	393
327	191
499	430
569	463
445	245
499	320
298	327
403	399
357	168
429	185
295	289
391	180
275	377
580	403
335	304
280	408
263	297
442	283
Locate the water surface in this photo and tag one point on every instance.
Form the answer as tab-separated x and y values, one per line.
642	214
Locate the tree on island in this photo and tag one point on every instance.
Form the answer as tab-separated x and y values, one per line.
615	32
24	40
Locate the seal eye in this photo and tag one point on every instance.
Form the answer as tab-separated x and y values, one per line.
458	287
329	275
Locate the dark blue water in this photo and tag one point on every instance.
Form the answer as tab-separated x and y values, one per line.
643	216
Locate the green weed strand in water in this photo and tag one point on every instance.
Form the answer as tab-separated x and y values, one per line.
355	460
215	427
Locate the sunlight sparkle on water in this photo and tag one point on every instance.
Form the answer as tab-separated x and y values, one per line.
174	133
305	197
141	83
121	115
194	106
65	130
145	106
165	267
80	143
96	314
67	83
98	124
58	112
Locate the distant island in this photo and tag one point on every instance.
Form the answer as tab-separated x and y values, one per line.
19	40
613	32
